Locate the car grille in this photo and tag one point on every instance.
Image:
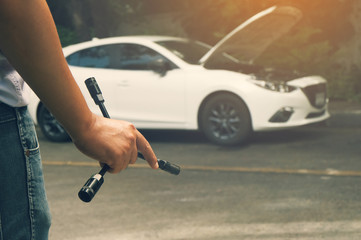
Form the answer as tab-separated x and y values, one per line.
316	94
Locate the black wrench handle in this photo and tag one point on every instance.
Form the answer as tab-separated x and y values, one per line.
91	187
97	96
165	165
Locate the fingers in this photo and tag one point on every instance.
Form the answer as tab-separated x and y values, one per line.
133	157
126	150
147	151
130	154
115	143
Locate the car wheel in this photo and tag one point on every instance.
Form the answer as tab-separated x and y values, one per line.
50	127
225	120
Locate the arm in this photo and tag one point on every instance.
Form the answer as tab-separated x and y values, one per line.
29	39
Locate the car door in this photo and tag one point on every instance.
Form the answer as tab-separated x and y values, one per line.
133	87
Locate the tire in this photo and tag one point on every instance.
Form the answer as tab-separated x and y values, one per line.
225	120
50	127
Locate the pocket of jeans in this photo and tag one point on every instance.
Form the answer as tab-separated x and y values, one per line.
27	132
32	151
32	144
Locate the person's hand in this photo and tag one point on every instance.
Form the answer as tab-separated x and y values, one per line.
115	143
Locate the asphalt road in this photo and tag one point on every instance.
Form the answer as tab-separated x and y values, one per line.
303	183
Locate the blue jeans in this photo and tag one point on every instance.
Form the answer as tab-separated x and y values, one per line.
24	211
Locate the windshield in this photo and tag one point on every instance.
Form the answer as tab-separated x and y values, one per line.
189	51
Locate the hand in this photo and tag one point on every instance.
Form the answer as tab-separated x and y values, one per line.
115	143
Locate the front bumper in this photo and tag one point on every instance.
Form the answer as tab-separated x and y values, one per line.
306	105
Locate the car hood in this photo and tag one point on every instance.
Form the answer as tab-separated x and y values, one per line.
251	38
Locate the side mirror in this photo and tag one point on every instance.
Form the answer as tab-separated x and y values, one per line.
159	66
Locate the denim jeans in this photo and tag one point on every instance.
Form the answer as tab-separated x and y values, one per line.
24	211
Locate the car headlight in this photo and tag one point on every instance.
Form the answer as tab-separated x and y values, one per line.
274	86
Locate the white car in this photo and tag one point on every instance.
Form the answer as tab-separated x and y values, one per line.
159	82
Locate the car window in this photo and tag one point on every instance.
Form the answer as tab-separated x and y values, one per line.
118	56
95	57
189	51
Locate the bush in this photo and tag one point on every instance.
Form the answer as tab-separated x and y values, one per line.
67	36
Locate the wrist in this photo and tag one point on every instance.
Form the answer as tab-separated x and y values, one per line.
80	130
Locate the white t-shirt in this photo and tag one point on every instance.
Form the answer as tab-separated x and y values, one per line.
13	90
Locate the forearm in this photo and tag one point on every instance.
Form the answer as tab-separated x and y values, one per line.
40	60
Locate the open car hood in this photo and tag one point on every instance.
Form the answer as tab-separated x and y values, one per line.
251	38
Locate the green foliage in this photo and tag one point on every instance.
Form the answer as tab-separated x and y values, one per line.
297	51
304	52
344	83
67	36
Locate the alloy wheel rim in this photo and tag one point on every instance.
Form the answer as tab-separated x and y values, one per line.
224	121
